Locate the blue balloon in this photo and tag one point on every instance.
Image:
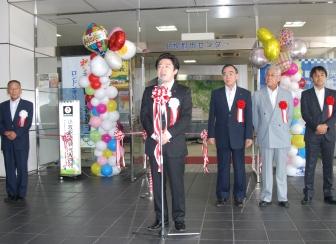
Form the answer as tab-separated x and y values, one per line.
112	145
106	170
294	121
302	152
94	111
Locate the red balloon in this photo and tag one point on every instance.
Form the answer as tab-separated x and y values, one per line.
88	98
95	84
302	83
117	40
93	78
92	55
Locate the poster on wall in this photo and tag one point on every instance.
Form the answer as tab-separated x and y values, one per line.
70	156
119	78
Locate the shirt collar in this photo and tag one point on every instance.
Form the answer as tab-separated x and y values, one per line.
270	91
15	101
319	90
233	89
169	85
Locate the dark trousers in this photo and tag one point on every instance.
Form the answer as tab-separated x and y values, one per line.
174	169
313	149
224	156
16	171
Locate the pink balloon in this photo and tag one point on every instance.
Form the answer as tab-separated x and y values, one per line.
101	108
95	121
89	105
293	69
106	138
101	160
296	101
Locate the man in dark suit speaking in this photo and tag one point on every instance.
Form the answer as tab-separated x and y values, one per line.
174	150
230	127
318	111
15	120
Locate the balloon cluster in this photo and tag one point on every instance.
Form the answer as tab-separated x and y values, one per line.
279	51
108	53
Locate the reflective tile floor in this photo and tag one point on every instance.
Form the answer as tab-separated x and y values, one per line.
97	210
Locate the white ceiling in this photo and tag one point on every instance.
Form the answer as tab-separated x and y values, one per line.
74	15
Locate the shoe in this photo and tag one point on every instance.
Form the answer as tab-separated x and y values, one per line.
10	199
330	200
306	201
239	203
180	226
284	204
220	202
264	204
157	225
20	199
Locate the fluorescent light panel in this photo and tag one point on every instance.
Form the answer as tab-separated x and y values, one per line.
166	28
189	61
294	23
58	35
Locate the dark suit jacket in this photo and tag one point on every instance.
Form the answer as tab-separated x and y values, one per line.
223	124
313	116
177	146
22	140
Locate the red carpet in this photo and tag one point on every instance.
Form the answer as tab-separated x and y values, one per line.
197	160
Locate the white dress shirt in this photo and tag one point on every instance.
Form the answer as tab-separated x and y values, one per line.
320	96
13	106
273	95
230	95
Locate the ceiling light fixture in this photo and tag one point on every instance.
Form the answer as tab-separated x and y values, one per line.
294	23
166	28
189	61
58	35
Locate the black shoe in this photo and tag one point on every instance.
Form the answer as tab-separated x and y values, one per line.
239	203
264	203
20	199
306	201
221	202
284	204
330	200
10	199
180	226
157	225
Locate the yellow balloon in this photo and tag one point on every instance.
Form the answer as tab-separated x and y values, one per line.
122	51
95	168
264	35
298	141
107	153
272	49
111	105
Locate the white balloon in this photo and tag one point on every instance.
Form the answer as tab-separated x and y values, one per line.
101	146
109	73
100	93
94	101
285	82
296	129
292	151
294	86
112	161
112	92
291	171
127	51
114	116
104	80
296	77
101	130
97	153
113	60
111	132
104	116
107	125
115	170
84	82
98	66
301	122
105	100
298	162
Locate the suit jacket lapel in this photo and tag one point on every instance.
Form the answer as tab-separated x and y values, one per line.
314	96
267	100
223	100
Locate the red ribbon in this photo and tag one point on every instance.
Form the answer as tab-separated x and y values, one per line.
173	116
283	106
161	96
204	137
330	101
241	104
119	136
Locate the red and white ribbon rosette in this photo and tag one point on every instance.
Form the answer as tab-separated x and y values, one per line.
204	137
119	136
241	104
283	106
161	96
173	104
330	101
23	114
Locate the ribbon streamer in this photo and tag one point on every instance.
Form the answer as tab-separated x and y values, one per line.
119	135
204	137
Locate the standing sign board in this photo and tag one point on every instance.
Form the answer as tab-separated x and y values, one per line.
69	126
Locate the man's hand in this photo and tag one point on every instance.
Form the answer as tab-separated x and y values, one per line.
165	137
321	129
212	141
11	135
248	143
